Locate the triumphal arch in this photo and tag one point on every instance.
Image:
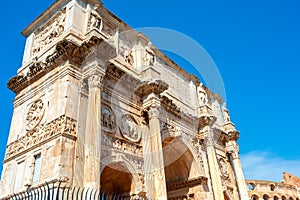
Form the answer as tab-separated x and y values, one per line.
98	106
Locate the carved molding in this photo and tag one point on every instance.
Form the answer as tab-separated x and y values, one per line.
187	184
34	115
206	120
44	132
64	50
148	87
49	32
175	110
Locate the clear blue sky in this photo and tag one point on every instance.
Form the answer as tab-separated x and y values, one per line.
255	45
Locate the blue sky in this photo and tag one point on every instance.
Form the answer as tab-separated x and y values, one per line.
254	44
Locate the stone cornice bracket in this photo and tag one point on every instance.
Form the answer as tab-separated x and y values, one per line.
231	132
206	120
148	87
102	50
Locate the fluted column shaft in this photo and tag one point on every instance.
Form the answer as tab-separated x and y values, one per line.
239	176
156	173
213	165
93	133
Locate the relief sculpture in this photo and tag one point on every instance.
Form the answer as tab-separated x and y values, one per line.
129	128
34	115
42	133
95	21
48	33
108	120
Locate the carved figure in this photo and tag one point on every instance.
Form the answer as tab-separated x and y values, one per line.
34	115
42	132
202	96
95	19
107	118
150	55
223	168
48	33
128	57
129	129
225	113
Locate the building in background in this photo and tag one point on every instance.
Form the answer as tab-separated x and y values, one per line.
287	189
98	106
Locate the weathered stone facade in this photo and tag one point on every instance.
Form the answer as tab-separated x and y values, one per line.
98	106
288	189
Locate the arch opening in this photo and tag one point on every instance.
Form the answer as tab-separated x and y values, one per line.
116	179
182	173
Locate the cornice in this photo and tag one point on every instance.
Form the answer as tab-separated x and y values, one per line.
64	50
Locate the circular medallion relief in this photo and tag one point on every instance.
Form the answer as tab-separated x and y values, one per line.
129	128
108	120
34	114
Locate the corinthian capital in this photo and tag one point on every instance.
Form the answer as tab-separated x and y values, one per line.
154	110
96	80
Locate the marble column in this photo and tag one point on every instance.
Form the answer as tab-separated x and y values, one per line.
155	180
239	176
156	167
92	142
213	165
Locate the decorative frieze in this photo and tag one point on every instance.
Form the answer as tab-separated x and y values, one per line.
65	50
49	32
41	134
201	180
122	145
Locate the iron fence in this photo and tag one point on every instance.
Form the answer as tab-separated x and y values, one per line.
61	191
